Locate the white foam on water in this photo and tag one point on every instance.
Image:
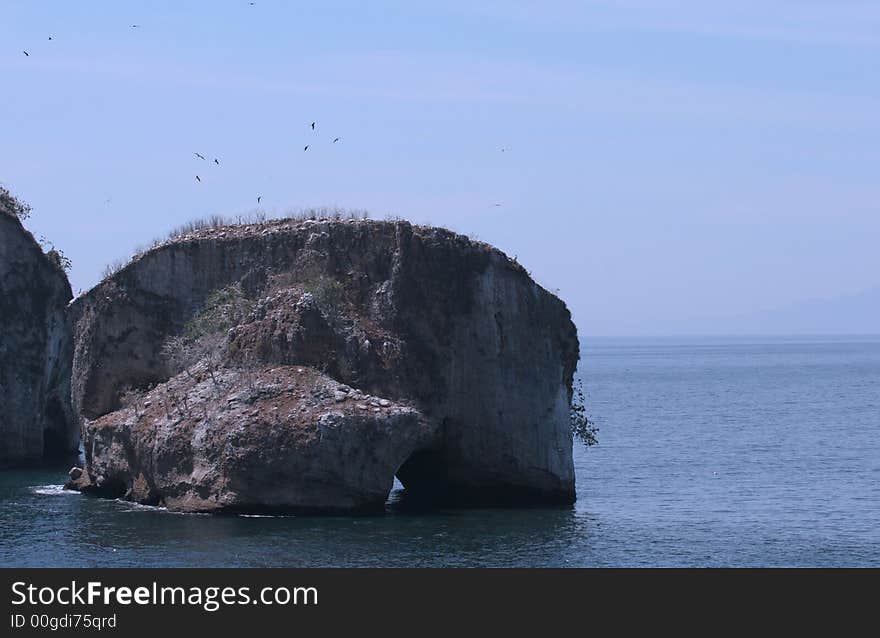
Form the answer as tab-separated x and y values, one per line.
131	506
52	490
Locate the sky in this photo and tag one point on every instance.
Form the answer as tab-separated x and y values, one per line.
670	166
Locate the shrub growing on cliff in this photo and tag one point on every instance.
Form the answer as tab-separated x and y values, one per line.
204	335
581	426
11	205
328	293
179	354
60	259
14	207
224	309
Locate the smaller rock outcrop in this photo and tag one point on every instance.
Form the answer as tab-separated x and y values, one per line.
36	420
285	438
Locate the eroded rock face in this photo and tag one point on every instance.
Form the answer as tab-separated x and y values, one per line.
270	439
36	421
480	355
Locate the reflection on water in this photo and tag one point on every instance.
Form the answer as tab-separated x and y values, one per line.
711	452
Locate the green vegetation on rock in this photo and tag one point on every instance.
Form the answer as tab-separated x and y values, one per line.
223	309
581	426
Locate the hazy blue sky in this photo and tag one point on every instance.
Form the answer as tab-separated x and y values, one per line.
672	165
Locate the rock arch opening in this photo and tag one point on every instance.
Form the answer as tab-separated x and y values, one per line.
424	477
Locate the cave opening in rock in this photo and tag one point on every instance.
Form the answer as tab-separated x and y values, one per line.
54	444
424	478
110	487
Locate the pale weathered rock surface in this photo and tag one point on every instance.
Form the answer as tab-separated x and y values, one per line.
270	439
36	421
441	361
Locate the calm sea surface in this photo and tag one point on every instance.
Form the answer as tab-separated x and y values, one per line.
713	452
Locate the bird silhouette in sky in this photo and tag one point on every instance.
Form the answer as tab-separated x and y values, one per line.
313	126
135	26
305	148
335	140
198	179
50	37
216	161
26	53
199	155
259	197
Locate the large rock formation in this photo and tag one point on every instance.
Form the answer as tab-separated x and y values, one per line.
36	421
241	368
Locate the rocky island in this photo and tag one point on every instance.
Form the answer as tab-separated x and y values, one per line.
302	365
293	365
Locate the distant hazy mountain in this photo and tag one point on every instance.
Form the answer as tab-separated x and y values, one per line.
852	314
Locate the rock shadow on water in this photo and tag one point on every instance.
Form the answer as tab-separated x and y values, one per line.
450	502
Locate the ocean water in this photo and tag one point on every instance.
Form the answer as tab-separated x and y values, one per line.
713	452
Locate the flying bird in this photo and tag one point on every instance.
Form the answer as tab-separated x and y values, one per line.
50	37
335	140
306	148
135	26
199	155
26	53
313	126
198	179
259	197
216	161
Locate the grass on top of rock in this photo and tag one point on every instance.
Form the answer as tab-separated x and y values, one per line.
260	217
113	267
222	221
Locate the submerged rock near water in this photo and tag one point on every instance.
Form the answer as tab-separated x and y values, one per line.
301	365
36	421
